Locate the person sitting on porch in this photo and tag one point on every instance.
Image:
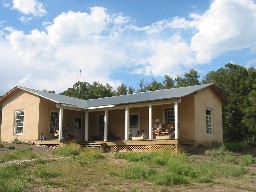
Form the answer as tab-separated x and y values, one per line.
138	134
158	127
56	132
172	129
143	134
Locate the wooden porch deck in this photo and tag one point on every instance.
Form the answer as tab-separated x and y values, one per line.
122	145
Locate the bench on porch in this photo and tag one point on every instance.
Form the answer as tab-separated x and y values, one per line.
138	138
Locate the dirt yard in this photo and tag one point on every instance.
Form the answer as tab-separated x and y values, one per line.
246	183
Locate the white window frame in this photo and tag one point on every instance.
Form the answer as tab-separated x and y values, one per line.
138	125
208	121
164	117
16	119
54	125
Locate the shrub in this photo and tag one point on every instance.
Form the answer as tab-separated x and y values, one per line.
137	172
16	141
11	147
47	173
20	154
236	147
1	145
247	160
169	179
71	149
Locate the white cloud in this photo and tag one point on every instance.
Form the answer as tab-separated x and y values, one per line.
29	7
25	20
101	44
225	26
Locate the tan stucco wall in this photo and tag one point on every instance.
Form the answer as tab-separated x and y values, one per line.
46	107
186	118
207	99
20	100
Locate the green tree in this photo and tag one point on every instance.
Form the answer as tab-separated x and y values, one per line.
85	90
122	90
142	87
236	83
190	78
154	85
168	82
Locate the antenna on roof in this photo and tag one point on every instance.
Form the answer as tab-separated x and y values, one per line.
79	77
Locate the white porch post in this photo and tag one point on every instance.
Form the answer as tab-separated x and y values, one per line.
176	120
106	125
150	121
86	125
60	122
126	122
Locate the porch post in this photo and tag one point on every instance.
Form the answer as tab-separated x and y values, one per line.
150	121
60	122
126	122
176	120
86	125
106	125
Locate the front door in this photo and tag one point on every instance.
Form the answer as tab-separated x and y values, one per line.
134	124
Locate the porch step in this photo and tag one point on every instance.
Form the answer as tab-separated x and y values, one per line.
92	145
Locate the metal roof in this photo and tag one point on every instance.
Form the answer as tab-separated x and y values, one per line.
147	96
118	100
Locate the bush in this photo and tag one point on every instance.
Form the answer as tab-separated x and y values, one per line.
11	147
66	150
137	172
236	147
47	173
16	141
20	154
1	145
169	179
247	160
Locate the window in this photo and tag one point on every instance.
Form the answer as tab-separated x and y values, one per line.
208	121
134	121
101	125
19	122
54	122
78	123
169	115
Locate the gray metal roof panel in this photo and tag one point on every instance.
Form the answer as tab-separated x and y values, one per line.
61	99
119	100
146	96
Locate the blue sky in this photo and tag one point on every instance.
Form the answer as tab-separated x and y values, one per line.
45	43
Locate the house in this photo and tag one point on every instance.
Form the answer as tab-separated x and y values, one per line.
194	111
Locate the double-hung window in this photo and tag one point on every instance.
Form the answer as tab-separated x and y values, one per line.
208	121
78	122
19	122
169	115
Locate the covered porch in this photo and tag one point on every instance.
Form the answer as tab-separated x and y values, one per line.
111	123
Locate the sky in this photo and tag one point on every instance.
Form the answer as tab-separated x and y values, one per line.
52	44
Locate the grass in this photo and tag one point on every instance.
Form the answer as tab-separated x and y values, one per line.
91	170
180	169
18	155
